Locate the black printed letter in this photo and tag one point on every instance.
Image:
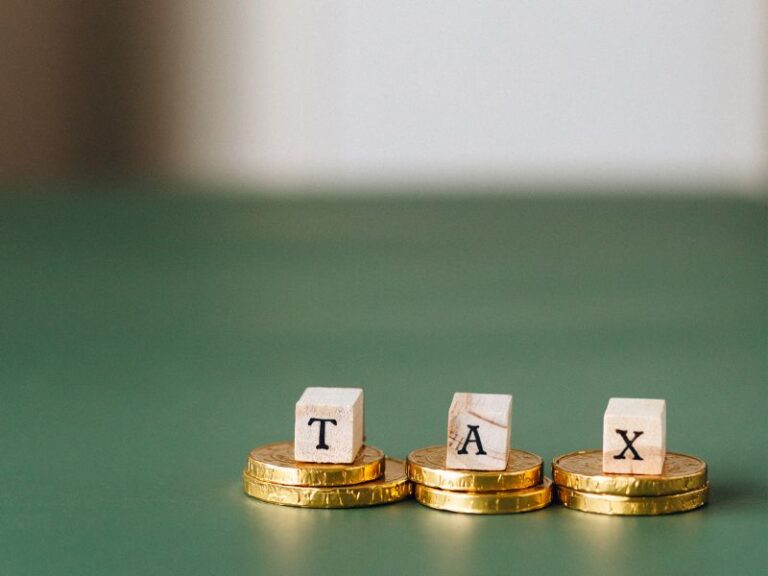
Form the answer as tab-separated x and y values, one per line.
322	445
628	442
473	436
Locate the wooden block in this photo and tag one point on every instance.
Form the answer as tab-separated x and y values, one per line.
634	436
329	425
479	428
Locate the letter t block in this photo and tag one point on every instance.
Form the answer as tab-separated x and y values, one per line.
634	436
479	428
329	425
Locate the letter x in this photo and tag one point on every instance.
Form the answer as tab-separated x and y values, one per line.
628	442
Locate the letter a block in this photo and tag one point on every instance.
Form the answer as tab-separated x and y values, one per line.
634	436
329	425
478	431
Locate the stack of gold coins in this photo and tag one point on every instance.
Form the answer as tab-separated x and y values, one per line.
273	475
582	485
521	487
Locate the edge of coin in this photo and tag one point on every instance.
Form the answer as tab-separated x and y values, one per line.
500	502
474	480
315	474
627	484
393	487
614	505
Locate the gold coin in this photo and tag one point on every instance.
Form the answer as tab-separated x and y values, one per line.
394	486
501	502
426	466
583	471
632	505
275	463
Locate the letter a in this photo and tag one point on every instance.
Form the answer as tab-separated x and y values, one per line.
473	436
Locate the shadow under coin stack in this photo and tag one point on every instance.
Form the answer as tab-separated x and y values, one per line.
521	487
273	475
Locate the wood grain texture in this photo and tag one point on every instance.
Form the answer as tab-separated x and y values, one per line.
634	436
479	427
329	425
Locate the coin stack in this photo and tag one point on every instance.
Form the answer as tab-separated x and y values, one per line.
582	485
521	487
273	475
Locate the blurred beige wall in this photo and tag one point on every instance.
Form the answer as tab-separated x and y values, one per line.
294	93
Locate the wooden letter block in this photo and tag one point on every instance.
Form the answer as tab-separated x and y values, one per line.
479	431
329	425
634	436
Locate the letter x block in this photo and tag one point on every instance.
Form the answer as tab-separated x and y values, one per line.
329	425
634	436
479	428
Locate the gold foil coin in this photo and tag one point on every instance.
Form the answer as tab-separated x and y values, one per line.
275	463
583	471
632	505
502	502
426	466
392	487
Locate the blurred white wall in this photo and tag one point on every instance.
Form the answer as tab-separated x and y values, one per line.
493	92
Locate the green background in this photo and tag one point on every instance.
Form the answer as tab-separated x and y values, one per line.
148	341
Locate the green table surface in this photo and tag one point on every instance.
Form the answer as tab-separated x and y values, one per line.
150	337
